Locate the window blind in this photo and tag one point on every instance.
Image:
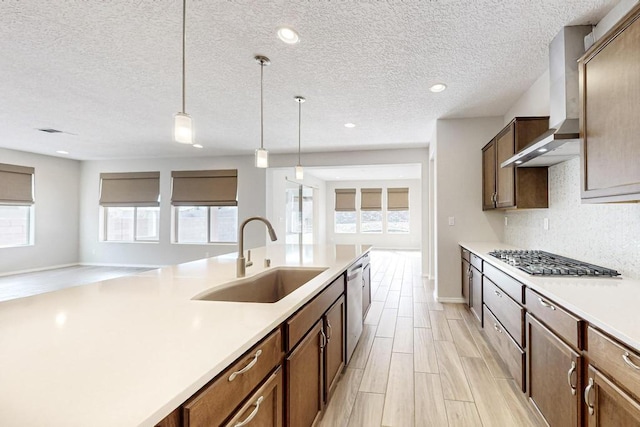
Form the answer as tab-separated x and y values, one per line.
371	199
205	188
16	185
130	189
397	199
345	199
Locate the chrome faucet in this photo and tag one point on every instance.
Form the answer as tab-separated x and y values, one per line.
241	263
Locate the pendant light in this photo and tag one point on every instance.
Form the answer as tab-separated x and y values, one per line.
299	170
183	125
262	155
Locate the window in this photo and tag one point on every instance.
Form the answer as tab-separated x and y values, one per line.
397	210
16	200
371	210
345	211
205	206
131	206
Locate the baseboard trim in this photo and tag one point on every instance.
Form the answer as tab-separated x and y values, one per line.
100	264
35	270
451	300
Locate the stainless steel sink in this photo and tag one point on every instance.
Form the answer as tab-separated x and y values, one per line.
267	287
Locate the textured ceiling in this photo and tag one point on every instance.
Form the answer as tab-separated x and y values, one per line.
107	73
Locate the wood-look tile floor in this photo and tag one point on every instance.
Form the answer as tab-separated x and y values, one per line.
39	282
422	363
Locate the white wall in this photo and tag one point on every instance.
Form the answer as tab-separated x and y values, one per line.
458	192
56	213
251	201
534	102
412	240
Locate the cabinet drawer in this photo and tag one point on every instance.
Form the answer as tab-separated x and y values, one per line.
505	346
563	323
506	310
465	253
476	261
216	401
264	407
300	323
615	359
505	282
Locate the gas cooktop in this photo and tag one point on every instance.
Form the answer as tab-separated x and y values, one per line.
541	263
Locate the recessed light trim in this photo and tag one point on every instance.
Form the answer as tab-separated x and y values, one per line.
350	125
197	146
62	152
438	87
288	35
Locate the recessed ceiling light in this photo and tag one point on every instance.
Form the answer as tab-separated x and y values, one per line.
197	146
62	152
542	150
288	35
349	125
438	87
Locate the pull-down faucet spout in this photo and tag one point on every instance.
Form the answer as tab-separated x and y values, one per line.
241	263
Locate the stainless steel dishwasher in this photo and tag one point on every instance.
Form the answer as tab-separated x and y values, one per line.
354	307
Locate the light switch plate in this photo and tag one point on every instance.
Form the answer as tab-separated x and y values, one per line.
452	220
506	221
546	223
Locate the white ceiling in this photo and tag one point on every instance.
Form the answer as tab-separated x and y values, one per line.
108	72
365	172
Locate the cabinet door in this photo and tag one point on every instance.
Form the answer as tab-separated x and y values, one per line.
609	124
506	178
607	405
366	289
264	407
304	378
334	322
475	283
489	176
465	275
553	376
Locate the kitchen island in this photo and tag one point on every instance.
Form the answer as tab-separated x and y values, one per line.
128	351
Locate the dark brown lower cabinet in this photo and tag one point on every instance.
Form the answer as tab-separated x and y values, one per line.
304	370
264	407
554	371
607	405
334	324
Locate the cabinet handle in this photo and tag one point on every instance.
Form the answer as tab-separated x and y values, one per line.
497	293
323	343
587	391
545	304
495	326
252	415
572	369
627	360
329	331
246	368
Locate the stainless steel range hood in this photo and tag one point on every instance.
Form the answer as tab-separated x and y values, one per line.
562	141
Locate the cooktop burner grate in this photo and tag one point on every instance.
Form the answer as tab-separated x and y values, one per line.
541	263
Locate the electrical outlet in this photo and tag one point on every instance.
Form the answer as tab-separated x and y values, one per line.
452	220
546	223
506	221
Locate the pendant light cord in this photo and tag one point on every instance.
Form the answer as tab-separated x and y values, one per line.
261	106
184	38
299	127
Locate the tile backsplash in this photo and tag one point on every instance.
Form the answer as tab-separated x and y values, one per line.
604	234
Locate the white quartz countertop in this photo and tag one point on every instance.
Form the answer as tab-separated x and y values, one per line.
611	304
127	351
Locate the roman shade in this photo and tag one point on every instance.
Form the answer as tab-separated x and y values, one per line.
16	185
345	199
371	199
130	189
205	188
397	199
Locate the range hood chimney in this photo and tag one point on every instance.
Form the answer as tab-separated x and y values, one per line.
561	142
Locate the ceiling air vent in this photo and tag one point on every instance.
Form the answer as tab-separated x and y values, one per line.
49	130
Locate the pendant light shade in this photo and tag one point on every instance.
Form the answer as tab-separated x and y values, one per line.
262	155
299	169
183	125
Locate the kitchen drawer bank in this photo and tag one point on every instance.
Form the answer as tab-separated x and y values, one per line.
573	372
285	379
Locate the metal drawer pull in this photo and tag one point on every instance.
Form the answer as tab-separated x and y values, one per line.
627	360
246	368
252	415
587	391
572	369
495	326
323	343
497	293
329	331
545	304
